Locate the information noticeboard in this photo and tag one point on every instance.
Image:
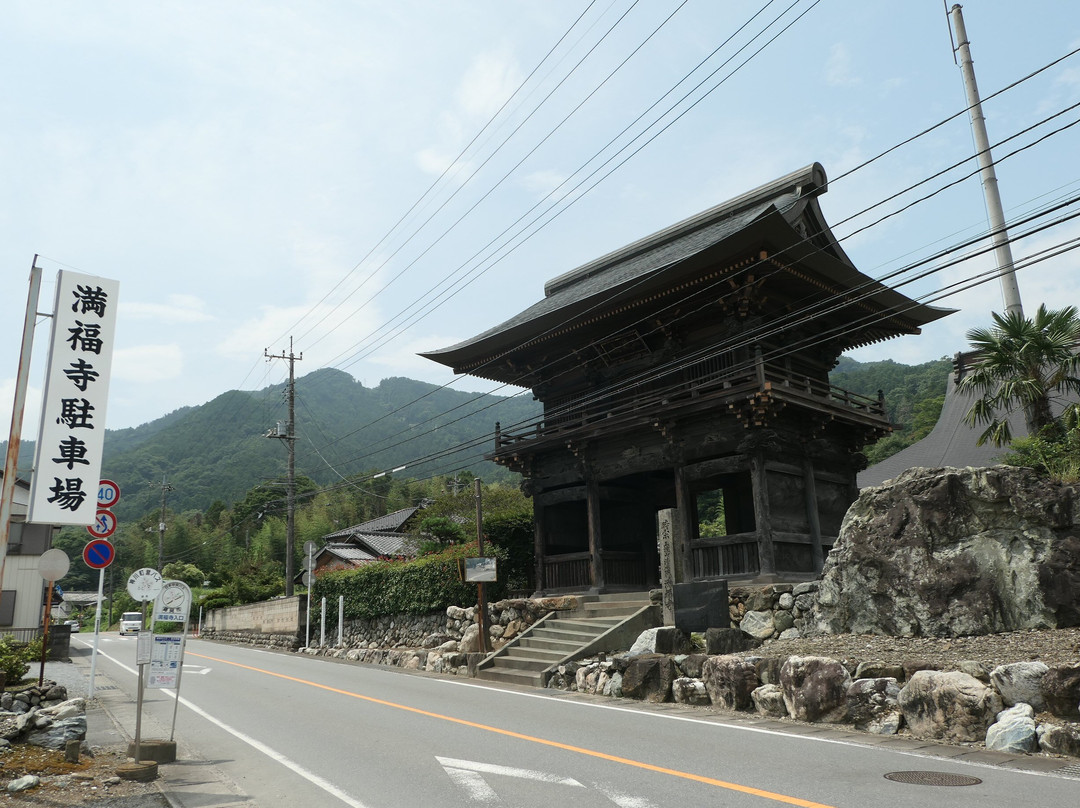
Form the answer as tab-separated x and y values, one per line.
166	657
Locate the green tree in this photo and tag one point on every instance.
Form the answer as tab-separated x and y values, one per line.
180	571
1023	363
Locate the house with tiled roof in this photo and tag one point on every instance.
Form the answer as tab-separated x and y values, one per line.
379	538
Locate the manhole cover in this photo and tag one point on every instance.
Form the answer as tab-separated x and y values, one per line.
1071	771
932	779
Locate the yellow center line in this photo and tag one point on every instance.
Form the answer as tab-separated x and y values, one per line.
711	781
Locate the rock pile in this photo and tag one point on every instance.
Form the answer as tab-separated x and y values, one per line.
42	716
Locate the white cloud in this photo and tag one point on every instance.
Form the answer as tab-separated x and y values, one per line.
148	363
544	182
838	70
178	309
487	84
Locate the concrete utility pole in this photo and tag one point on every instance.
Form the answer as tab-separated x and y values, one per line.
289	437
11	460
165	489
1010	291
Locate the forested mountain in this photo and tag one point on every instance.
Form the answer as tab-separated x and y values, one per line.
913	394
218	451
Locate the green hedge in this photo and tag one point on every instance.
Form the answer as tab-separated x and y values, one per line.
422	586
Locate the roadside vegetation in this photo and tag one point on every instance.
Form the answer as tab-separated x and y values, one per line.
235	555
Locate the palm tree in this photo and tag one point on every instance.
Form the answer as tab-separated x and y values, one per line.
1023	363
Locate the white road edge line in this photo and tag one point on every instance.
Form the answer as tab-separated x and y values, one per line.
273	754
716	723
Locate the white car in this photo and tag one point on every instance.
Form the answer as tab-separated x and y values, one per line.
130	623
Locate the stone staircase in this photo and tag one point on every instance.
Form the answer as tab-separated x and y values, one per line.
604	623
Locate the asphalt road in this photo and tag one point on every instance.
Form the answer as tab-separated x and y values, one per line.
288	729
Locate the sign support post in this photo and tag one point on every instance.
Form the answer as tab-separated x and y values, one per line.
98	554
143	585
53	565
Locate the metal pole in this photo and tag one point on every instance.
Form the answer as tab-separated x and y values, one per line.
138	714
307	623
322	625
341	621
480	586
97	630
11	461
45	634
1010	291
179	676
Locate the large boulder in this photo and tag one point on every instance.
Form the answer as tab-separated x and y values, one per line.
954	552
1060	689
873	707
1059	739
730	681
649	678
815	689
769	701
1020	683
950	706
1014	730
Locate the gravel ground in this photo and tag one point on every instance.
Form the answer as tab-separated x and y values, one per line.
92	782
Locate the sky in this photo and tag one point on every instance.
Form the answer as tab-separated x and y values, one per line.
346	174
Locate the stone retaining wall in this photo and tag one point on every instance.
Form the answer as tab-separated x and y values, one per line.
1019	707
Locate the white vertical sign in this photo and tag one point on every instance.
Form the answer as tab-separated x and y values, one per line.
71	438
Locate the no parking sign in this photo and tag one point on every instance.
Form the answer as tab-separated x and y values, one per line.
98	554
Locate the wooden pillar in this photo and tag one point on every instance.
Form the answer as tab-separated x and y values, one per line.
762	515
538	545
812	516
685	530
592	503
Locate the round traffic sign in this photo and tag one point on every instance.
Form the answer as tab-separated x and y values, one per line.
98	554
108	494
104	524
144	584
54	564
310	547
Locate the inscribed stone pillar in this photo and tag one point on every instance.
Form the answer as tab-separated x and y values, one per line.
666	529
684	503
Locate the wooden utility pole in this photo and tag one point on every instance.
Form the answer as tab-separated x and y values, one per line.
289	437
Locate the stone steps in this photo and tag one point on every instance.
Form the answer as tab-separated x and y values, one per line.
525	659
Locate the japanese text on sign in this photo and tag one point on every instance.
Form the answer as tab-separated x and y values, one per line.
71	436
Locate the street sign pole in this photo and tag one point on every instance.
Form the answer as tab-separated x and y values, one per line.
52	566
179	674
143	585
309	579
97	629
98	554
